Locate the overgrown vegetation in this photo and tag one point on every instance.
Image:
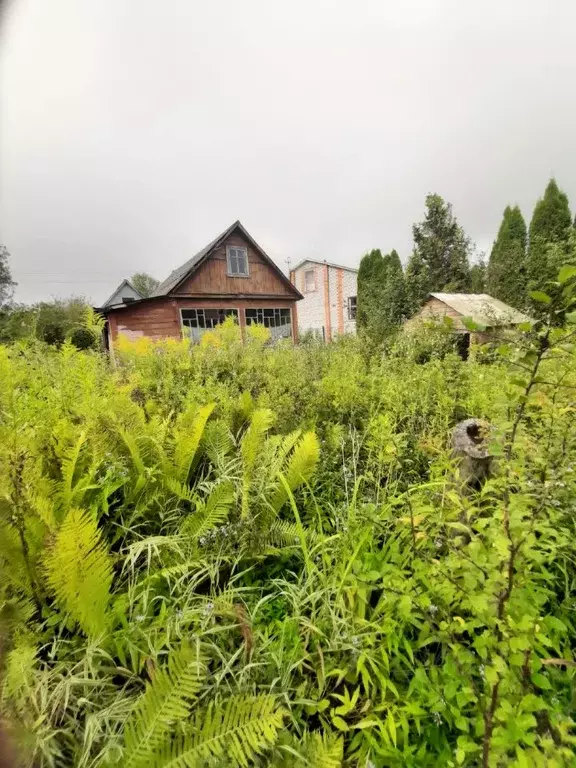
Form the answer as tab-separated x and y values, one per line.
253	555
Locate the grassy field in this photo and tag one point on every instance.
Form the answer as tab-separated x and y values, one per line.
249	555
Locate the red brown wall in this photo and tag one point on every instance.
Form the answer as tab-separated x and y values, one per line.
212	276
160	318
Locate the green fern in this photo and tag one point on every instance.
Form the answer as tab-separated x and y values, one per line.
71	490
283	533
165	702
234	734
324	750
188	436
261	421
300	468
19	672
79	571
212	512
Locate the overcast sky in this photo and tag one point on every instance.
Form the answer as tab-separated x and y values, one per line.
132	132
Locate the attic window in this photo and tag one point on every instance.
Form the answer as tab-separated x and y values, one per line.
237	259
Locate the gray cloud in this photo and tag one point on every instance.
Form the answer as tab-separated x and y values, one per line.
133	131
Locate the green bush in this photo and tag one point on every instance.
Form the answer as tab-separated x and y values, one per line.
83	338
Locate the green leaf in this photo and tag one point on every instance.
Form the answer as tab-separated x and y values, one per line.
367	722
391	726
566	272
472	325
541	297
340	723
540	680
571	317
460	756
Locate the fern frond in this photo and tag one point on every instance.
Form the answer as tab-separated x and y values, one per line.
299	469
283	533
165	701
284	444
182	491
68	467
261	421
235	733
19	672
325	750
131	444
188	437
212	512
79	571
219	444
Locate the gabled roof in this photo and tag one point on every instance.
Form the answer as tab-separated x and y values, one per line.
189	267
118	292
319	261
482	308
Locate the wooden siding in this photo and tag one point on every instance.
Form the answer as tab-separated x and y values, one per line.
212	277
160	318
155	319
434	308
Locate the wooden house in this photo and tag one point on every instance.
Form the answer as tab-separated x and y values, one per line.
231	276
491	313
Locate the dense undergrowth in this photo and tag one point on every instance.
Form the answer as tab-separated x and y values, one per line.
242	555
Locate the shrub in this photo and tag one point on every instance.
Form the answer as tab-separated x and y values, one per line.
83	338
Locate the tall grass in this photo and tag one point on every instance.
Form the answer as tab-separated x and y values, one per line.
248	555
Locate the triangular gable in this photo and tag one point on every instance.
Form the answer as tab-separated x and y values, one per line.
117	296
182	273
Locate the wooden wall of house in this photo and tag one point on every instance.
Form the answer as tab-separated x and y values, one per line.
155	319
160	318
212	277
434	308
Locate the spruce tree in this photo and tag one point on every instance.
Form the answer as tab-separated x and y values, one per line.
550	226
394	298
439	261
478	277
506	279
382	300
369	274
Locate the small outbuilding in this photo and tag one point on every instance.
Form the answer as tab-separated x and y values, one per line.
480	307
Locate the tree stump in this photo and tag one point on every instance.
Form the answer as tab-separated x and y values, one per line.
470	443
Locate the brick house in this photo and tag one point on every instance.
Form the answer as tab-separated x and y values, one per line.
329	304
232	275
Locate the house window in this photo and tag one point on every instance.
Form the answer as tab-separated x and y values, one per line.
279	321
351	307
237	259
197	321
309	281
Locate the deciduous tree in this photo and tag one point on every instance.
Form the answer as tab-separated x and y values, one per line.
7	285
144	283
